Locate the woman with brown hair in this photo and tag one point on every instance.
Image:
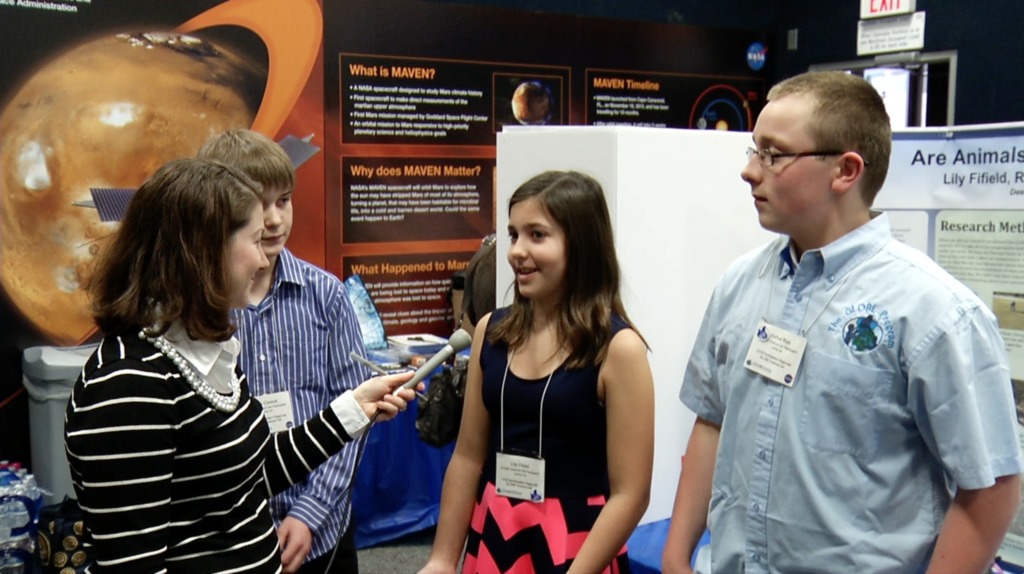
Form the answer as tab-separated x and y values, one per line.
171	457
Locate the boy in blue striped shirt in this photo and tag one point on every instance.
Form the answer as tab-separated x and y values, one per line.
296	334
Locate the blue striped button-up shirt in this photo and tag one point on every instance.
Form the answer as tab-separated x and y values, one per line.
298	340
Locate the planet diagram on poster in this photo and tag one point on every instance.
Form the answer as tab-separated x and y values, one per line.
106	114
531	103
721	107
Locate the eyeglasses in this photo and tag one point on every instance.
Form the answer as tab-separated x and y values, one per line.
769	158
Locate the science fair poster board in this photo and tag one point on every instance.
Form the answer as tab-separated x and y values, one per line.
957	194
416	93
681	214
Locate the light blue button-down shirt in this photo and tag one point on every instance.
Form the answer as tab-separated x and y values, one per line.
903	394
298	340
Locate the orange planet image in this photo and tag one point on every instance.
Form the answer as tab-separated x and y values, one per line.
531	103
104	114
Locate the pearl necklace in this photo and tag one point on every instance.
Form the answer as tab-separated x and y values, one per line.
223	403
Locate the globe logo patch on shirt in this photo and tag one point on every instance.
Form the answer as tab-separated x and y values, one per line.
862	333
864	327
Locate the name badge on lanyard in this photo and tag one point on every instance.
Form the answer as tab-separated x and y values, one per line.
520	477
775	353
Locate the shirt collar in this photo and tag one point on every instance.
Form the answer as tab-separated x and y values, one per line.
209	358
787	260
844	254
288	269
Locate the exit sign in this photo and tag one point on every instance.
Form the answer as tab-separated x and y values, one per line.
879	8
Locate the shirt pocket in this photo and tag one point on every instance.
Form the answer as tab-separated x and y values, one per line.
842	406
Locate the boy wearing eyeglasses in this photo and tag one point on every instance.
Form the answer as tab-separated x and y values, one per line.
853	400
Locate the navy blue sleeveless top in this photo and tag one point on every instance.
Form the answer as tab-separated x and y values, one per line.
575	446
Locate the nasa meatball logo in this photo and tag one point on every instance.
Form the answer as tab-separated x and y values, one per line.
756	56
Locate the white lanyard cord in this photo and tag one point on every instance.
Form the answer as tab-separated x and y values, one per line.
544	393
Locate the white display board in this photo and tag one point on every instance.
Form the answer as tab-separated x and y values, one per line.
681	214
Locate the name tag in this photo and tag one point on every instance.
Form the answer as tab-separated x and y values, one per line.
277	408
520	477
775	353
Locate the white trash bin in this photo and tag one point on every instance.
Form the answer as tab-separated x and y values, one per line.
49	374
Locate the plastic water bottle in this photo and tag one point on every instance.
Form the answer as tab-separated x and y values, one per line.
34	495
19	503
16	555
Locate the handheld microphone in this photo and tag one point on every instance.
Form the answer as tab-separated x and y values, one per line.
458	341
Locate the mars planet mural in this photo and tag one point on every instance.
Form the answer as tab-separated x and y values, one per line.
103	114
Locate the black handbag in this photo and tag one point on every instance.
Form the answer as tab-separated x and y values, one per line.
61	532
440	411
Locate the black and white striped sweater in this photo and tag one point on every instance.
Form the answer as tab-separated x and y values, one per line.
167	483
